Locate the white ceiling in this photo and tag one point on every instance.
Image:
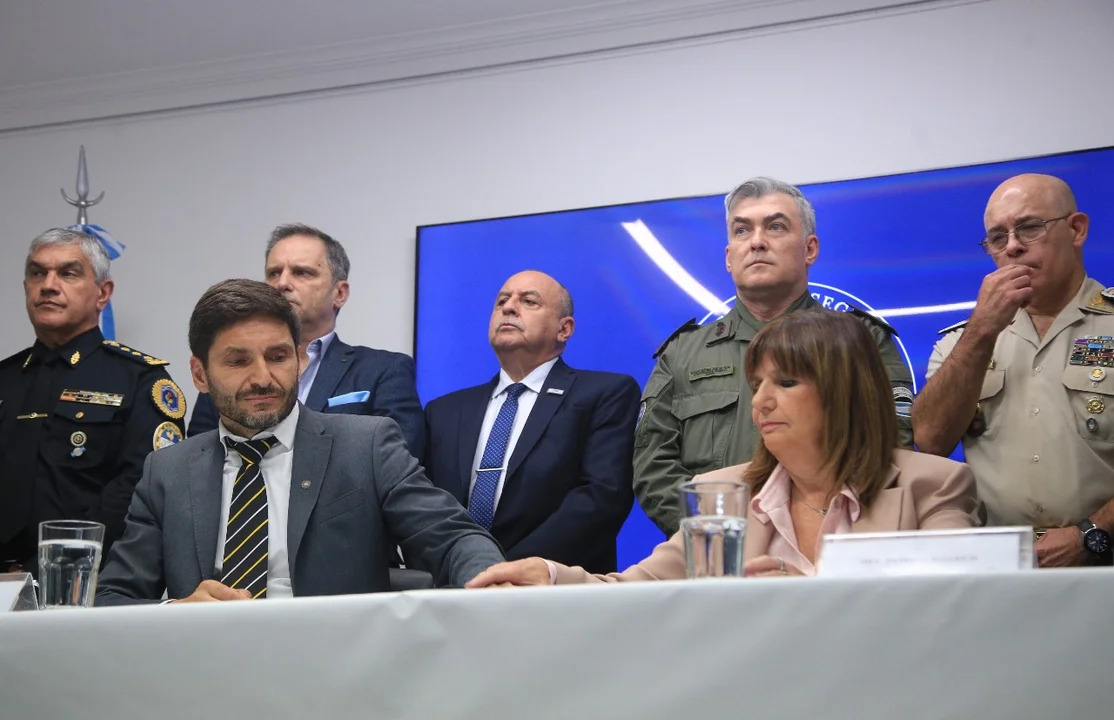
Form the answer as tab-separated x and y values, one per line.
64	61
45	41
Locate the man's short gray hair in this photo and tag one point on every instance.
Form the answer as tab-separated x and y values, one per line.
90	246
334	251
760	186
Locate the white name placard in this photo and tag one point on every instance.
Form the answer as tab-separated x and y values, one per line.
926	552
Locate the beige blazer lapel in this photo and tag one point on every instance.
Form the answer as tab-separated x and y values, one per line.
885	513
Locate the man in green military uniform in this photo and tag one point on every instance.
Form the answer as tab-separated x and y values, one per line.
78	414
695	412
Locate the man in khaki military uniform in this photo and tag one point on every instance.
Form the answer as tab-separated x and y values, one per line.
695	413
1028	381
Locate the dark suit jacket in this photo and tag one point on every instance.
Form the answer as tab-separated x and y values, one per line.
387	377
568	487
355	492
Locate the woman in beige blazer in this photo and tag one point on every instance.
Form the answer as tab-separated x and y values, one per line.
826	462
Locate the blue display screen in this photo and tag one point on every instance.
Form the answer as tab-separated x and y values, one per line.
903	246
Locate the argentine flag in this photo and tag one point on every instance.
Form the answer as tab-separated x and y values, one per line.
114	248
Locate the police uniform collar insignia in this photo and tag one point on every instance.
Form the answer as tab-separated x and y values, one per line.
75	358
166	434
27	361
92	397
168	399
1108	293
690	325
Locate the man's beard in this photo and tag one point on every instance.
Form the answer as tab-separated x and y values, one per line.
226	405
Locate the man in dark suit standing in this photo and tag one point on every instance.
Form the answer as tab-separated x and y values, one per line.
311	270
541	454
280	500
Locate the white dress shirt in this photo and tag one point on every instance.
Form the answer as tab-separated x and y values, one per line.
316	350
533	382
276	467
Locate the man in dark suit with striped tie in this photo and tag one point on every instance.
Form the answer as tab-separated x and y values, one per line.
279	500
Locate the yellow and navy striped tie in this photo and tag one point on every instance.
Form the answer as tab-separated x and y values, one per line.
245	543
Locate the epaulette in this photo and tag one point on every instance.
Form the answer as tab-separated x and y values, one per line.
1103	301
21	357
949	328
690	325
873	319
134	354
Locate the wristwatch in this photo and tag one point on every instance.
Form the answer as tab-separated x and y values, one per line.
1096	541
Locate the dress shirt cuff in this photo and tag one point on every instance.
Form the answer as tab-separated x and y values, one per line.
552	571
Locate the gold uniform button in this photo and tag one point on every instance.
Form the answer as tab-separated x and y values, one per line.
79	414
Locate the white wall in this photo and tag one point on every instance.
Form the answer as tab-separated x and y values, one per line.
195	193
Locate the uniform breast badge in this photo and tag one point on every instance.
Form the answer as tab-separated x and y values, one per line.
168	399
1095	405
78	440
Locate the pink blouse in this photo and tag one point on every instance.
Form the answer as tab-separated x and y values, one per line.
771	506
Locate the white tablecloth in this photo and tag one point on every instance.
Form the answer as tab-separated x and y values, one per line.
1030	645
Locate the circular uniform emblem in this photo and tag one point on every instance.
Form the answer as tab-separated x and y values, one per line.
78	439
1095	405
168	399
166	435
1098	374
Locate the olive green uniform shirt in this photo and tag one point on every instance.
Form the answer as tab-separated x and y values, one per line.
695	413
1042	442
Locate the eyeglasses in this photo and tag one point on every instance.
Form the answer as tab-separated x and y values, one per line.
1030	232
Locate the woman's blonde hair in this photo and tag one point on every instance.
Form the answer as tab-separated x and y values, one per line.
837	352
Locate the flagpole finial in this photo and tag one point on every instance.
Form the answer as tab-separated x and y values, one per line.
82	187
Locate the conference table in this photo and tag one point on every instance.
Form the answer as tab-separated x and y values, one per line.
1035	644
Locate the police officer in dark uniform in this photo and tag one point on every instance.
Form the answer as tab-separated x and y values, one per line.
78	414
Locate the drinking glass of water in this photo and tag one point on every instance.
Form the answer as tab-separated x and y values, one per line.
69	559
714	526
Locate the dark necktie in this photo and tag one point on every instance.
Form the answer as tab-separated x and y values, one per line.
481	506
245	543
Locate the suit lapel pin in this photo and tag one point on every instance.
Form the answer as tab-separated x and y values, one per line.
555	391
306	484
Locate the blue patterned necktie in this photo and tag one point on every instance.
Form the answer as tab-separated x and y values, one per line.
245	543
481	505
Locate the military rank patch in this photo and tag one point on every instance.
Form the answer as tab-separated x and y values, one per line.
166	435
716	371
168	399
903	401
1093	351
641	414
92	397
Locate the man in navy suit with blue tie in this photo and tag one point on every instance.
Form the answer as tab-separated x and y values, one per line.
542	454
310	269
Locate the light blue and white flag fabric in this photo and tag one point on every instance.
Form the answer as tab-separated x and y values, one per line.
114	248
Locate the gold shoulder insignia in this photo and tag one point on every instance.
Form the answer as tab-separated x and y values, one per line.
1102	301
134	354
